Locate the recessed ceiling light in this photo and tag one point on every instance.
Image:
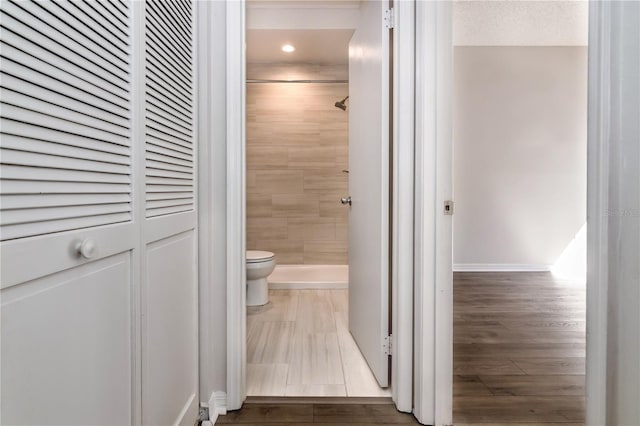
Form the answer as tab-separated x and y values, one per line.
288	48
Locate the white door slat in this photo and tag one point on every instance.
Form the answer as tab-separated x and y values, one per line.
30	89
24	173
61	78
98	32
23	216
153	180
12	232
169	210
160	165
35	159
19	143
32	201
169	195
20	100
155	204
38	119
52	38
156	157
167	188
32	131
165	173
167	152
51	187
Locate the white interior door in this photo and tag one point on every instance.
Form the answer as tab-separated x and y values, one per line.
68	311
369	188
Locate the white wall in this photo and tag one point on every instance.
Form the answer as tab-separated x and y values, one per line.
519	154
614	261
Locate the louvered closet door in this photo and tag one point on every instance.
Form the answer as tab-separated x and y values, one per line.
170	376
66	213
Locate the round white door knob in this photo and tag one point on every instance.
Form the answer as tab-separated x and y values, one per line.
86	248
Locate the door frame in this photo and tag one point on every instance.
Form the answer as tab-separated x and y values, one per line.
433	366
402	282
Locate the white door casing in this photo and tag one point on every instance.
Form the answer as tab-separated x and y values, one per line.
369	188
102	332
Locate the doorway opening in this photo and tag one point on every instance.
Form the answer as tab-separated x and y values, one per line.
298	102
520	139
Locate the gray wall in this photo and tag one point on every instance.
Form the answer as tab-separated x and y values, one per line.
519	129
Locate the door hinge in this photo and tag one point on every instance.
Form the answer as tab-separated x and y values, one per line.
448	207
390	18
387	345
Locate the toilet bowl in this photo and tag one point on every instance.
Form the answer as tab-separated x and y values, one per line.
260	264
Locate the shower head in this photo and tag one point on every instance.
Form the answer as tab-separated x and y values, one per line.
341	104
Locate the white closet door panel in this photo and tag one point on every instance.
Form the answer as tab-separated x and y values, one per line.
66	347
171	326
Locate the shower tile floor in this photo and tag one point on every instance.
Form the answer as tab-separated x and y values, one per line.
299	345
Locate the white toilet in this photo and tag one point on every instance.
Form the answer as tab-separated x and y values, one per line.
260	264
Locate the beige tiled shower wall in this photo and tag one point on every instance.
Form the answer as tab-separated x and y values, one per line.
297	149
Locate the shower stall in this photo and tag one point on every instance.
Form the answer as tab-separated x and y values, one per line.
297	156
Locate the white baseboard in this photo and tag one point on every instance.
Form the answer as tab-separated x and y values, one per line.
217	405
499	267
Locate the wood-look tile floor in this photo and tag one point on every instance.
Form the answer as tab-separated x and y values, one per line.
299	345
519	349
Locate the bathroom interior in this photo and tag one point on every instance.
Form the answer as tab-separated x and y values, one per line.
297	131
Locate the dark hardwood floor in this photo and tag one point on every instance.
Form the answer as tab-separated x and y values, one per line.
519	349
318	411
519	359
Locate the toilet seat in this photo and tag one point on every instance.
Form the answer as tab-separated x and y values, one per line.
257	256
